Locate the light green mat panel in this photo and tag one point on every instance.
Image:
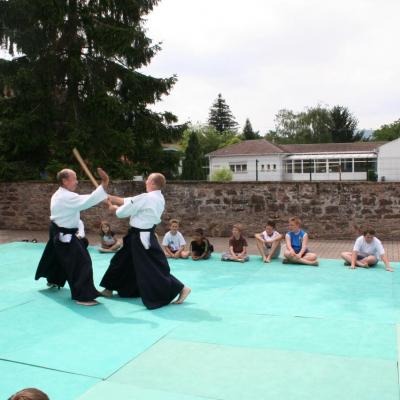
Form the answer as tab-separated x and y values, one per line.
58	385
227	372
248	331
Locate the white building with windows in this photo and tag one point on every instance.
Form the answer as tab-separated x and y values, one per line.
261	160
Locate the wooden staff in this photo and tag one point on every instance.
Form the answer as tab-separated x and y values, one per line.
84	166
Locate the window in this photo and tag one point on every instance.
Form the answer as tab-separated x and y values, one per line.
308	166
320	166
269	167
360	165
238	168
334	165
262	167
274	167
298	166
288	166
346	165
372	165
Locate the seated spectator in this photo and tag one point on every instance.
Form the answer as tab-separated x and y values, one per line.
173	242
200	247
109	242
367	251
237	246
296	240
269	242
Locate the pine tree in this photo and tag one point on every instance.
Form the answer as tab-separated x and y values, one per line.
248	133
74	81
192	166
221	117
343	126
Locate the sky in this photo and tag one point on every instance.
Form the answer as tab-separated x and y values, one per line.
266	55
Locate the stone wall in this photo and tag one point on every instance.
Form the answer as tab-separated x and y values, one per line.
330	210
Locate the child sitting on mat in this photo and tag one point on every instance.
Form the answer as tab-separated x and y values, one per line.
174	243
237	246
200	247
269	242
109	243
366	252
296	245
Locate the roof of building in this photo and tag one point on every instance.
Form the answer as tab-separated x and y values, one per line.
248	147
331	147
262	146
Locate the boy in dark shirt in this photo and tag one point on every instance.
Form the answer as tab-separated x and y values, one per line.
237	246
200	247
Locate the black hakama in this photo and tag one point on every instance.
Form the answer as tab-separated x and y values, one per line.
138	272
68	262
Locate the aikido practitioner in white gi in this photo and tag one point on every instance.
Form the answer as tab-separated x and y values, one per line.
140	268
65	257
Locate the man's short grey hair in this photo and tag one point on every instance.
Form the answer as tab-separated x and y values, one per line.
63	174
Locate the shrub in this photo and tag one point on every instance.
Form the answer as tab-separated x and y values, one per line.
222	175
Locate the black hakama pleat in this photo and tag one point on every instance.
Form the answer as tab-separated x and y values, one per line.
69	262
137	272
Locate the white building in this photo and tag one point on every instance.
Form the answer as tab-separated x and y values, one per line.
389	161
261	160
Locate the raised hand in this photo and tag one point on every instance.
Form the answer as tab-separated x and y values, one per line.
104	177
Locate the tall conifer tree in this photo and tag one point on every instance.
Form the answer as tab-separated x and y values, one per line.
221	117
74	81
192	166
248	132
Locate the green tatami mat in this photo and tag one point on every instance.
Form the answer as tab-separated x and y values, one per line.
113	390
57	335
345	338
227	372
248	331
58	385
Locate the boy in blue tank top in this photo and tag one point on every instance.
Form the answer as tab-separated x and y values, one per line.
296	245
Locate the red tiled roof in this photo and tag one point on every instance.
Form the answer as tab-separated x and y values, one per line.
262	146
331	147
247	147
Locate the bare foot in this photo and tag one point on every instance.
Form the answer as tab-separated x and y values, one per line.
315	264
183	295
87	303
106	293
267	260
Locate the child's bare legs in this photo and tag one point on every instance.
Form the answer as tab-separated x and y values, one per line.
184	254
260	246
307	259
115	247
346	255
272	251
363	263
229	257
168	252
367	262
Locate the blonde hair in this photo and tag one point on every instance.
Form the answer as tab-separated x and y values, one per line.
173	221
296	220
